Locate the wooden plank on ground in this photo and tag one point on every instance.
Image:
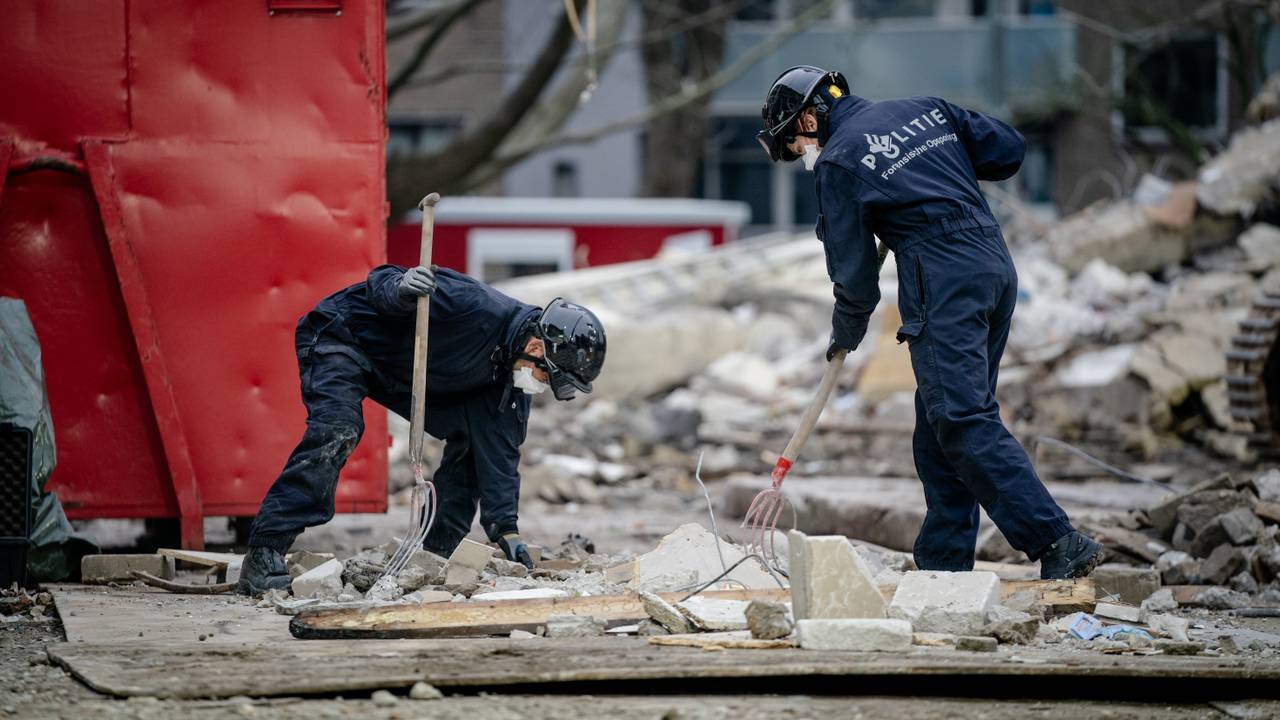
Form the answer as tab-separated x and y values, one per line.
93	614
479	618
500	617
735	640
200	670
200	557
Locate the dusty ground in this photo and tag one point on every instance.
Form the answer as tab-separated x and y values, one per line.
30	688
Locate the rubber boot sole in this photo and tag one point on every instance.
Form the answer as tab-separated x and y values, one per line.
244	587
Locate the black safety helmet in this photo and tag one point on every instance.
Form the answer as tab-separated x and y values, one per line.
573	347
796	89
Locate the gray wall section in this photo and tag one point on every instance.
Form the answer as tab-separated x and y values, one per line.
610	166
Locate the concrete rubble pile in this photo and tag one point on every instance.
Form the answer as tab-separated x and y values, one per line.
1218	542
1125	314
839	604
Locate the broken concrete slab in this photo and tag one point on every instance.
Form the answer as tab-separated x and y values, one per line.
1268	486
466	562
1011	626
506	568
664	613
411	578
424	597
323	581
948	602
1241	526
1128	584
976	643
1164	514
854	634
574	626
304	560
1261	245
1222	564
1170	626
829	579
1160	601
1120	233
1237	180
96	569
1118	611
363	570
691	548
1178	568
1219	598
768	620
1200	509
714	614
432	564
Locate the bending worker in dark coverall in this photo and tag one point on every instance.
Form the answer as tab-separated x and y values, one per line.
487	354
907	171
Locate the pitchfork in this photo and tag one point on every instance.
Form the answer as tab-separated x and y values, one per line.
422	501
761	519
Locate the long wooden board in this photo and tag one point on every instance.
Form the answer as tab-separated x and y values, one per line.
479	619
95	614
200	670
500	617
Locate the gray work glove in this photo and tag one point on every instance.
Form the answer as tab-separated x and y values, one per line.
832	349
417	282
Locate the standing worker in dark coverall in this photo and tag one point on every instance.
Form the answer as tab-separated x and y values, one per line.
487	354
907	171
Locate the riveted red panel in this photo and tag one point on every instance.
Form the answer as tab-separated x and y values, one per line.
240	241
236	159
232	71
62	72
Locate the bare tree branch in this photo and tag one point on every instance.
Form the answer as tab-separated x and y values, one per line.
425	17
721	11
445	170
438	30
700	92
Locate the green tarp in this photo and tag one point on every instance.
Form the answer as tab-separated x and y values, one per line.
55	549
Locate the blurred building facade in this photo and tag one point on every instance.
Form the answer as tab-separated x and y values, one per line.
1103	91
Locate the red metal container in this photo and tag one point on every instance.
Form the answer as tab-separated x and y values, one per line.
179	182
492	238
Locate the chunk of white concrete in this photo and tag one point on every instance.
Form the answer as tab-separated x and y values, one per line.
664	613
715	614
945	602
854	634
829	579
691	548
466	563
322	581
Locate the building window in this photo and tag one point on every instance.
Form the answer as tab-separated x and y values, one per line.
564	180
1035	177
738	168
882	9
420	136
757	10
1173	84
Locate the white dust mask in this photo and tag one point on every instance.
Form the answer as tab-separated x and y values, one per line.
810	156
525	380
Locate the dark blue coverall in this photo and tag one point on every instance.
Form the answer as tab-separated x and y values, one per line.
358	343
908	170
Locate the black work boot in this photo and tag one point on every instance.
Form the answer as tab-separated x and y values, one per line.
263	569
1072	556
